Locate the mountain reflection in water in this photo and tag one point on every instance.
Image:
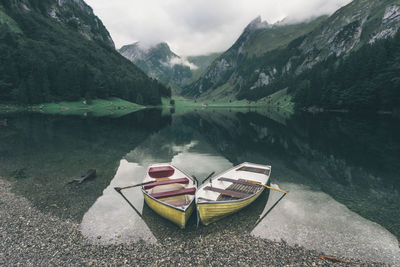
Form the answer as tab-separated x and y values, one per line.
342	171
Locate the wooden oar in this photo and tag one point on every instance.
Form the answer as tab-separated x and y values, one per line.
130	186
273	206
130	204
195	178
269	187
211	174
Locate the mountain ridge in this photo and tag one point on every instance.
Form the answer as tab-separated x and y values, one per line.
237	74
257	39
161	63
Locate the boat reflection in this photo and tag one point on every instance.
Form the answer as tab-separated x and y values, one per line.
111	220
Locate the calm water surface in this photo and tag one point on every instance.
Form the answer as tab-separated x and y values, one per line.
343	173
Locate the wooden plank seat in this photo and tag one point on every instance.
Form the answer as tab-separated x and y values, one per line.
223	179
238	186
164	182
186	191
254	169
227	192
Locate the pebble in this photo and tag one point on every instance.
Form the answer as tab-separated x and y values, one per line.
51	241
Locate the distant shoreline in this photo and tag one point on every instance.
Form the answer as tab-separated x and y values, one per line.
99	107
117	106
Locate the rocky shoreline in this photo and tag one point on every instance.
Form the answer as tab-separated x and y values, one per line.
30	237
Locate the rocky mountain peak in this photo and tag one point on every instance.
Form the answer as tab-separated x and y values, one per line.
133	51
78	15
79	3
256	24
141	51
162	45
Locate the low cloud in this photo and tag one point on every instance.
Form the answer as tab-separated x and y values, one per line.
182	61
198	26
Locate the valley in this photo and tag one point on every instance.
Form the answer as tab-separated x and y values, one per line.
310	90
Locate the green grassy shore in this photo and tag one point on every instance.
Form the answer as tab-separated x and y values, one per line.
117	107
280	101
98	107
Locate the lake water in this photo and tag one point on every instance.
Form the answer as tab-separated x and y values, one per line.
342	171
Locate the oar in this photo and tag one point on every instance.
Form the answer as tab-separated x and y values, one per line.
257	183
211	174
195	178
130	204
130	186
273	206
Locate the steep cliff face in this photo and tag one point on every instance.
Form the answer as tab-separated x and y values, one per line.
359	23
265	53
75	14
226	78
53	50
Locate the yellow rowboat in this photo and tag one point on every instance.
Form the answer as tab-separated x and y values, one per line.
169	192
231	191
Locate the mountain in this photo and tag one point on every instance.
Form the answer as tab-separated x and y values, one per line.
159	62
53	50
264	60
349	63
202	62
238	67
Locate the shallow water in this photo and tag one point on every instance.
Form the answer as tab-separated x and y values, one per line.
342	171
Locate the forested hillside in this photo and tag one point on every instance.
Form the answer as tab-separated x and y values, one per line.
368	79
59	50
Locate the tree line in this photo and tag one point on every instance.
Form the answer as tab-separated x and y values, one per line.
368	79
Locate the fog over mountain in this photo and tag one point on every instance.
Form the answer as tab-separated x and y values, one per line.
199	26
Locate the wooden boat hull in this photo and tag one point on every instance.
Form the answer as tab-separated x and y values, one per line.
175	215
210	212
231	191
170	193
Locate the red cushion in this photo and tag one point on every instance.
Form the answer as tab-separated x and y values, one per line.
161	172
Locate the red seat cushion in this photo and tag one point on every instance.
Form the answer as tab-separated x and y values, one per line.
161	172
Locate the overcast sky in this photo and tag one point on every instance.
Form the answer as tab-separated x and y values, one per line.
193	27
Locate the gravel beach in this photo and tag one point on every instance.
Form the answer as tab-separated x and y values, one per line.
31	238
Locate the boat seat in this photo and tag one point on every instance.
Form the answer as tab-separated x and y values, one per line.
227	192
186	191
161	171
237	181
255	170
164	182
